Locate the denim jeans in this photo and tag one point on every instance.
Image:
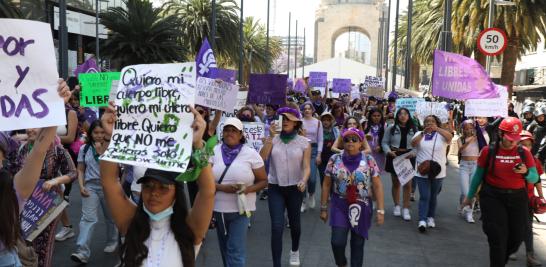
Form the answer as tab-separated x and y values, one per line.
232	229
466	170
90	217
281	198
312	182
428	191
339	241
9	258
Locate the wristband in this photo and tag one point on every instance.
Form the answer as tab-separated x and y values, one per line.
199	159
382	212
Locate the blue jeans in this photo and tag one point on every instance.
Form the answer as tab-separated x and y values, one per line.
90	217
466	171
428	192
281	198
339	241
9	258
232	229
312	182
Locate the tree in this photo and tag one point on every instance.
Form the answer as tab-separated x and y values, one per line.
194	21
139	34
9	10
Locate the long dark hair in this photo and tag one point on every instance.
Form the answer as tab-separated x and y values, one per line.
89	139
397	123
9	224
346	122
134	251
381	123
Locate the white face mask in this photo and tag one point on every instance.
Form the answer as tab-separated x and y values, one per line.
160	215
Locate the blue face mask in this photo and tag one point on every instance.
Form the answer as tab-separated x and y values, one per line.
161	215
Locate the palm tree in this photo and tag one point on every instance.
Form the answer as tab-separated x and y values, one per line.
194	20
140	35
9	10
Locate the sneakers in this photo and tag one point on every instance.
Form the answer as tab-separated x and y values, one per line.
396	211
65	233
303	207
430	222
406	214
468	214
532	261
295	258
79	258
422	226
111	248
513	257
311	202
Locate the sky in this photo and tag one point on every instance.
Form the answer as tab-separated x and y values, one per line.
302	10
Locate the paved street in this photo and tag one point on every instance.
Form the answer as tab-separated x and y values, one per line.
396	243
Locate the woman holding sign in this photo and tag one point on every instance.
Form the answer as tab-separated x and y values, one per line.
356	180
430	149
160	230
15	191
288	175
239	173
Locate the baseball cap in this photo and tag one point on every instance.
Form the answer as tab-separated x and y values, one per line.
235	123
164	177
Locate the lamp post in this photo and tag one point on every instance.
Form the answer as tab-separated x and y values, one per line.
492	4
395	58
63	41
303	57
213	25
296	52
407	75
445	37
241	45
387	35
288	50
268	56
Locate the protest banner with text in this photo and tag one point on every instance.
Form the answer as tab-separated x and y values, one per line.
409	103
153	128
28	76
377	92
488	107
318	79
372	81
341	85
96	87
214	94
254	133
423	109
267	89
403	168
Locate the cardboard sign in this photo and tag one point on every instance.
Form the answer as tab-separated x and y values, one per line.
153	129
241	102
267	89
341	85
377	92
318	79
409	103
403	168
423	109
488	107
96	88
372	81
28	76
254	133
216	95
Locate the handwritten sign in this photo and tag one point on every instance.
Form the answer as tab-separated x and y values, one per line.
372	81
267	89
254	133
403	168
341	85
377	92
423	109
154	117
216	95
488	107
96	88
241	102
28	76
318	79
355	93
409	103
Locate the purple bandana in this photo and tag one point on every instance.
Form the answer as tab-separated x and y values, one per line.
351	162
429	136
229	154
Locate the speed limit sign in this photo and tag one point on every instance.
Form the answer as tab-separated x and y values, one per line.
492	41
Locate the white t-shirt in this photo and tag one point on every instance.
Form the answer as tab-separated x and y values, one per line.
239	172
424	152
163	249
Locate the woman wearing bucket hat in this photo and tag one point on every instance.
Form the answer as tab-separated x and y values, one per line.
502	172
160	230
239	173
289	172
356	179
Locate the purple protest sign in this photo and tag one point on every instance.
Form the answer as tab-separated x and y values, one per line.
318	79
226	75
205	61
89	66
267	89
290	84
341	86
300	86
459	77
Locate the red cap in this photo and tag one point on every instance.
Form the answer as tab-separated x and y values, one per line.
512	128
526	135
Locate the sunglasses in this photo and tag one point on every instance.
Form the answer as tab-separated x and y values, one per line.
151	186
351	139
315	93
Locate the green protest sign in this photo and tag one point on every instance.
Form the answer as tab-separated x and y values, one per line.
96	88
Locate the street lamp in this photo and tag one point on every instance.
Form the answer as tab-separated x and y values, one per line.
492	4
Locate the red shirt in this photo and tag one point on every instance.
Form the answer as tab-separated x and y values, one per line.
502	175
530	186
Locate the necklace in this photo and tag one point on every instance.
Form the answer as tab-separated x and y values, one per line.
159	254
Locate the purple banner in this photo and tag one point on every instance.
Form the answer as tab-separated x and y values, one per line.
205	61
318	79
300	86
341	85
89	66
459	77
226	75
267	89
36	207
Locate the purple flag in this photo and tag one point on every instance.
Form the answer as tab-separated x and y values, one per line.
205	61
226	75
89	66
300	86
290	84
318	79
341	85
267	89
459	77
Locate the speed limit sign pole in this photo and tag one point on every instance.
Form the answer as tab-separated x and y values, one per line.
492	42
